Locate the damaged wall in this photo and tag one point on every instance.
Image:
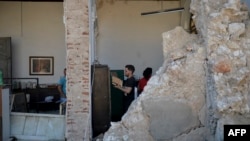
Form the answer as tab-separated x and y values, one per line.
78	124
172	105
224	26
202	84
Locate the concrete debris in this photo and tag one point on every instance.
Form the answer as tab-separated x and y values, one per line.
203	83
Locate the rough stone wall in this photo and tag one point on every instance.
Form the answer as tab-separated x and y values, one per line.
202	84
78	70
172	106
223	25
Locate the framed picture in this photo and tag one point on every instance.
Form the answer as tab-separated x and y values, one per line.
41	65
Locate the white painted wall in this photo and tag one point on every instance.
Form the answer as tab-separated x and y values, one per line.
36	29
126	37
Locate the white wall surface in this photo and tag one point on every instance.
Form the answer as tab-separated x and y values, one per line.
126	37
36	29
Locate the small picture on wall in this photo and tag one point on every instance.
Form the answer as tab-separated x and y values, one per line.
41	65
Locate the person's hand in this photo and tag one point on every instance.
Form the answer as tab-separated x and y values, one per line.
116	85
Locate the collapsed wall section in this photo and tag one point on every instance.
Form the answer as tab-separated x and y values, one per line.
203	83
172	105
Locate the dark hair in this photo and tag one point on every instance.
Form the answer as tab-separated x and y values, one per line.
147	73
130	67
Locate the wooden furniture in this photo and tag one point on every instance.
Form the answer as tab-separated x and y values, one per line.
37	98
5	58
19	102
101	115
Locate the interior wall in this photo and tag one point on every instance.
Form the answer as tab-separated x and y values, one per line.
36	29
126	37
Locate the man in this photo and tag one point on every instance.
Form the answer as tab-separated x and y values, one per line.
128	87
62	87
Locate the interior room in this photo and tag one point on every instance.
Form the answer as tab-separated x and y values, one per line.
117	32
36	29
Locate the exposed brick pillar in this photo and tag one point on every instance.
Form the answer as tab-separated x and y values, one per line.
78	70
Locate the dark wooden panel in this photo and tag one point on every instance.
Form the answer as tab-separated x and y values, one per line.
5	58
20	103
39	94
101	115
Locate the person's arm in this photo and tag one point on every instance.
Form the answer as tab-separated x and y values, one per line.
60	91
60	88
126	90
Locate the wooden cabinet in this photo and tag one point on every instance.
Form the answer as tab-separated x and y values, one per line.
101	110
5	58
39	94
37	98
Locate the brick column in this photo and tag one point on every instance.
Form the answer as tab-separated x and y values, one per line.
78	70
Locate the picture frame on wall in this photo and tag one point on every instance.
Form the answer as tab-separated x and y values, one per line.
41	65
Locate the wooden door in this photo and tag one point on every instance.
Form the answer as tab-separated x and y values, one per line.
5	58
101	115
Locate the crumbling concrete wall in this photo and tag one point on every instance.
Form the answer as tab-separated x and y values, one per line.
202	84
172	105
223	25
